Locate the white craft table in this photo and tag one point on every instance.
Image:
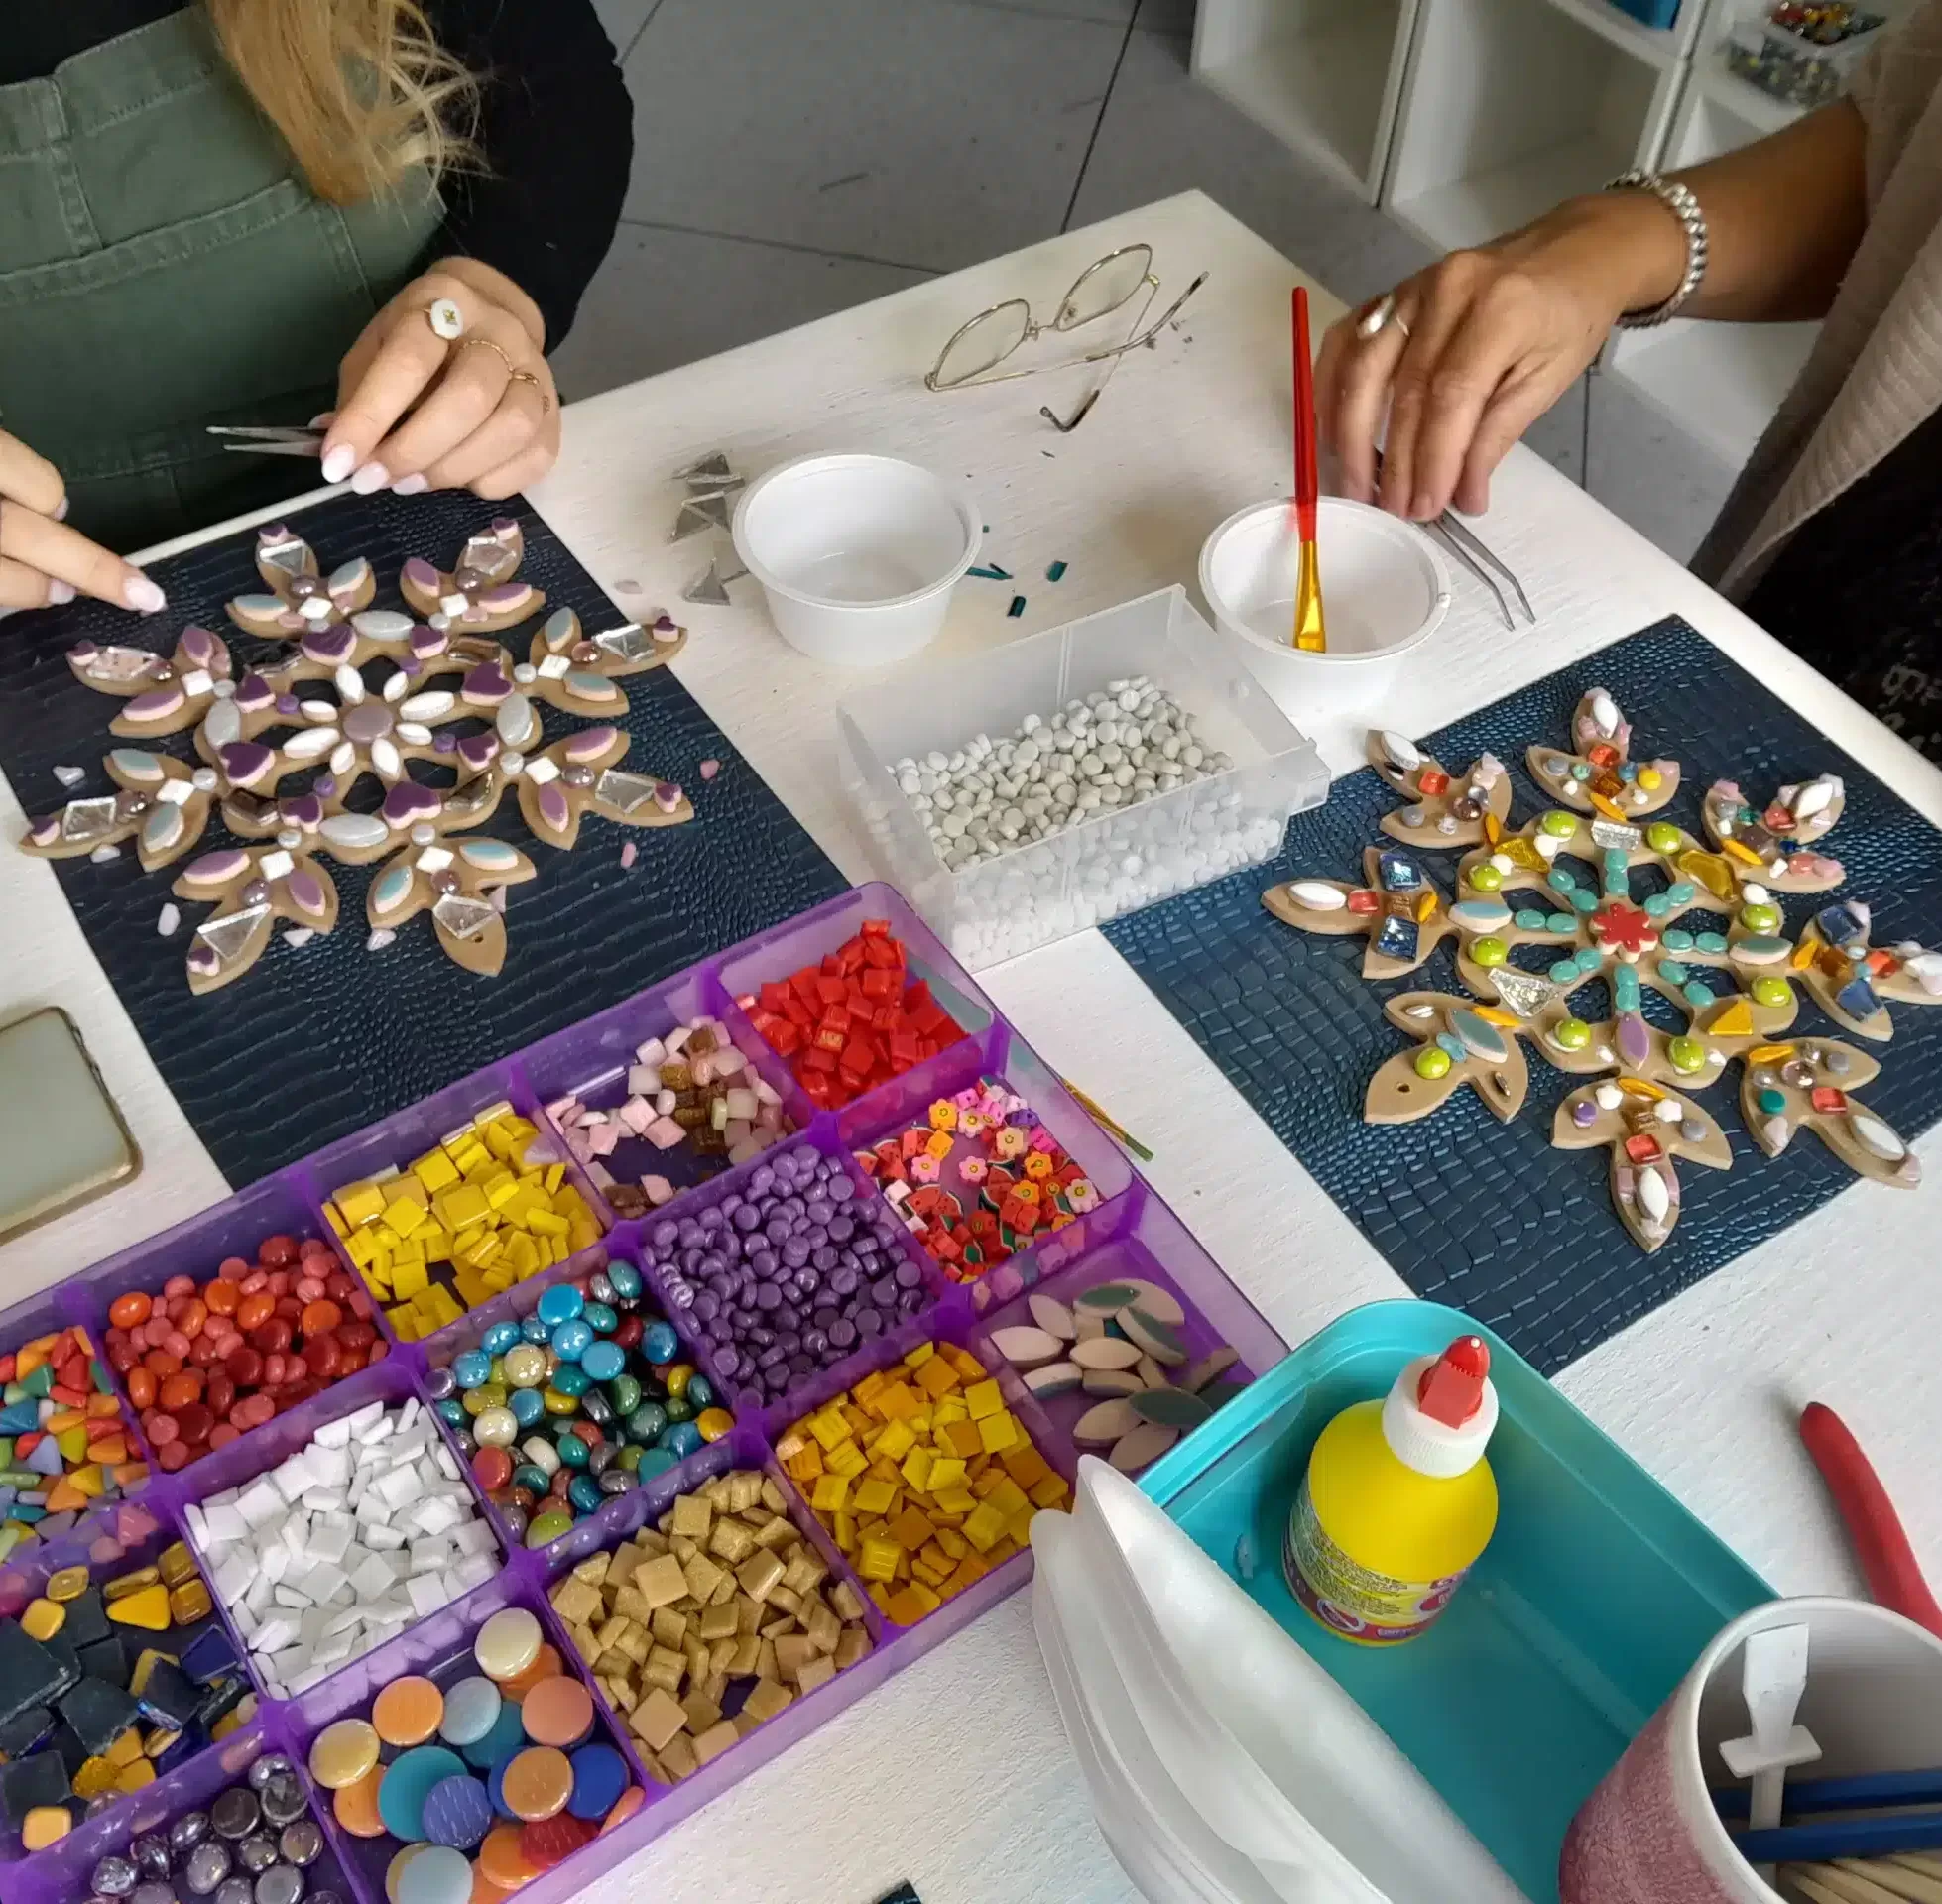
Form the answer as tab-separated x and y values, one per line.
955	1774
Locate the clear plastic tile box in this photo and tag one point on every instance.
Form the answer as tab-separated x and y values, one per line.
1125	858
1131	1233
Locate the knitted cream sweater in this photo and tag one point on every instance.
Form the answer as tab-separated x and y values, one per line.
1876	371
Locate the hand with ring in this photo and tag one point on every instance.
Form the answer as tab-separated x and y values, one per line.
447	387
1461	359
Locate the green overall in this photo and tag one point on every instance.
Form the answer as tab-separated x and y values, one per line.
164	266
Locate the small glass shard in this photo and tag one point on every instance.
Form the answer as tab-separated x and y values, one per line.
92	820
628	793
710	467
699	514
463	918
229	936
709	590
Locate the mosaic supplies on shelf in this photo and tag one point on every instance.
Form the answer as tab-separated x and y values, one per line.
274	723
1737	989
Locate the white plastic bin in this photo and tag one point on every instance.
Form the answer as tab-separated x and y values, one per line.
1121	861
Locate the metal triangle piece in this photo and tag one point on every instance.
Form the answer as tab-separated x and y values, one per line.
712	466
734	575
707	589
701	513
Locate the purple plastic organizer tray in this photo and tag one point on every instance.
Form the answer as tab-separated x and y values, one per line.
1129	1234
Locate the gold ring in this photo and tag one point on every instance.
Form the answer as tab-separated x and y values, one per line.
526	377
1378	316
486	344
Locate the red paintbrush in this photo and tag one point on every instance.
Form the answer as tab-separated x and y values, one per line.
1309	631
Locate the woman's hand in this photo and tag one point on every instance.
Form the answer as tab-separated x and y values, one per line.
1481	345
42	561
415	411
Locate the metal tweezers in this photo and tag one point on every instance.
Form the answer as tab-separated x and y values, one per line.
1456	536
271	440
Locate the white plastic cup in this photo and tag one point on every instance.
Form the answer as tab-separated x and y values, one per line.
1648	1834
1385	591
857	554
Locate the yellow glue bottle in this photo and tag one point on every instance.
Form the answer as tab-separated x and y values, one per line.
1399	1502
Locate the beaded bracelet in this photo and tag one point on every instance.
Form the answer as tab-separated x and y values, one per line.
1679	201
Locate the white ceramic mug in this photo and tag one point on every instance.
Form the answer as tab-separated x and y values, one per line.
1649	1835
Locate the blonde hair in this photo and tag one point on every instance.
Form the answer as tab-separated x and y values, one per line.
360	90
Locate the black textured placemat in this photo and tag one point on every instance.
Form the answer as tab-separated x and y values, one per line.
1487	1217
319	1040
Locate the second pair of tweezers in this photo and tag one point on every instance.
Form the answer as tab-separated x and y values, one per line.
1456	536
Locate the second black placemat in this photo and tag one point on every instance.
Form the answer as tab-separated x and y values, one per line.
1489	1217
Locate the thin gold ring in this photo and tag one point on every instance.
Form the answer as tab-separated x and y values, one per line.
526	377
505	357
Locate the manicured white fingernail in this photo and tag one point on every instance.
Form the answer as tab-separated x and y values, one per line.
60	510
413	485
142	596
370	479
339	464
324	420
59	594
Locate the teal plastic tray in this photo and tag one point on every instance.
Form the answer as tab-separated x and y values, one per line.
1593	1598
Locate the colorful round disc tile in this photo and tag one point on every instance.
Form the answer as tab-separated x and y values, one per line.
484	1890
402	1864
557	1712
457	1812
356	1806
471	1708
505	1737
548	1841
407	1711
545	1664
407	1780
537	1783
599	1777
508	1643
343	1754
629	1802
502	1860
439	1876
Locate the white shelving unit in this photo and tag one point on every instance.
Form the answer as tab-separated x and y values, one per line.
1466	118
1509	105
1720	383
1323	76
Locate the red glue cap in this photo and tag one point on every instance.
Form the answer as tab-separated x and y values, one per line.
1452	1389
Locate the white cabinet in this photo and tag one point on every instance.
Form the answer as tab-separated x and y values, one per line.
1466	118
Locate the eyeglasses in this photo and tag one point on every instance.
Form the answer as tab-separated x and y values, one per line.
977	349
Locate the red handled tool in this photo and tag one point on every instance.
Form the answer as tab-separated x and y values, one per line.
1886	1559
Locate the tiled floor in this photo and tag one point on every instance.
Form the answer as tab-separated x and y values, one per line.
793	160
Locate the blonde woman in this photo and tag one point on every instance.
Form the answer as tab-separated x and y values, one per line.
245	211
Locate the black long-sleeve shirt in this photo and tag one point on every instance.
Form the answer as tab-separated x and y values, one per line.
556	127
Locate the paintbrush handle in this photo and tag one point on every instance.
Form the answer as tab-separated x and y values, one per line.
1888	1562
1308	479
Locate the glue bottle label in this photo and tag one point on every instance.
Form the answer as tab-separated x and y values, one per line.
1350	1599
